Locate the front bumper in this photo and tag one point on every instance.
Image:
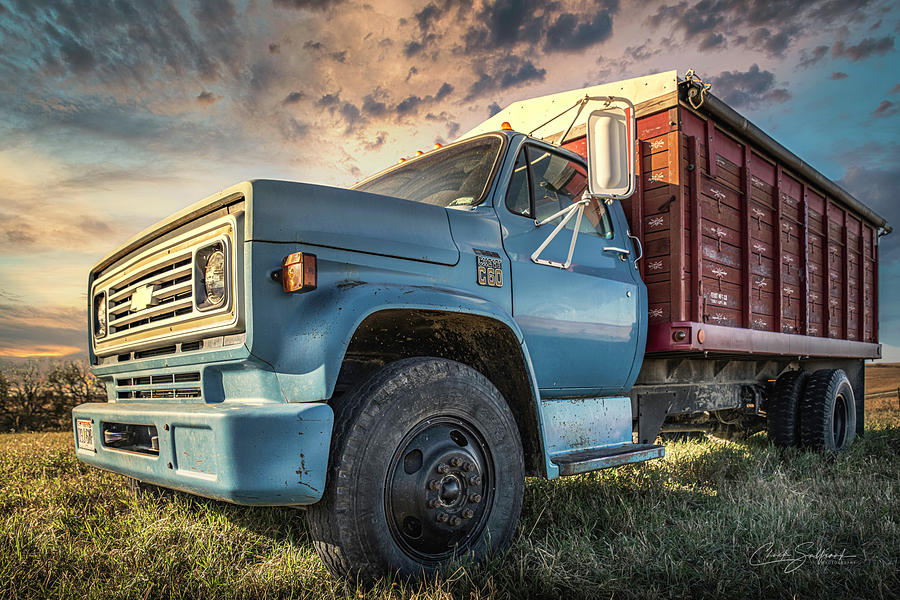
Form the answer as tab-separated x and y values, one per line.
262	454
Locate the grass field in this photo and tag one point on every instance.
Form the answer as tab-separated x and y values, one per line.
712	519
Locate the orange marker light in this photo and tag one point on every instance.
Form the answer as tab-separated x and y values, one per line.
419	153
298	272
436	146
401	160
505	126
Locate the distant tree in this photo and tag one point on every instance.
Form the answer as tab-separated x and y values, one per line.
68	385
32	402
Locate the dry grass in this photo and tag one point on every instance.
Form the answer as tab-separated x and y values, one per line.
696	524
882	378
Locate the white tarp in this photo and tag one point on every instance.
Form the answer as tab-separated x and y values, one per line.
525	115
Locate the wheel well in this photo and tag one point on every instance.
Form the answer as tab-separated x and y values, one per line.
485	344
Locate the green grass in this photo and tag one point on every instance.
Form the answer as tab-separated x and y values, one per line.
684	526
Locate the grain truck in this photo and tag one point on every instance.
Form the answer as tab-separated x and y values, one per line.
577	275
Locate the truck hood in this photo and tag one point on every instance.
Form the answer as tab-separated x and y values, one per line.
282	211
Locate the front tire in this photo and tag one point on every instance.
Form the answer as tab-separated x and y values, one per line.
426	466
828	411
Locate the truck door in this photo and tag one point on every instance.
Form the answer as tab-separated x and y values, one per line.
581	324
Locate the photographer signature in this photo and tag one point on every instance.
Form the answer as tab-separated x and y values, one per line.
793	559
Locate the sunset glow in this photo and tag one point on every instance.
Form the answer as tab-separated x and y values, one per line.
115	115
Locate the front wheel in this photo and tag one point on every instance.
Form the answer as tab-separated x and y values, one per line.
426	466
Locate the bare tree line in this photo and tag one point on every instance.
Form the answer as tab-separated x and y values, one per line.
34	401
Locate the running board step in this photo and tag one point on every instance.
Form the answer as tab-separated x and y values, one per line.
583	461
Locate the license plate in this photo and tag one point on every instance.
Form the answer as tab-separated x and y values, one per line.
85	433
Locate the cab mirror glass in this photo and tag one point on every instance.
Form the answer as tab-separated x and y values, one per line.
610	142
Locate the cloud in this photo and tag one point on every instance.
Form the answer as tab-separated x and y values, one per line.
864	49
895	89
837	75
312	5
873	180
773	44
207	98
570	32
770	26
812	56
293	98
445	90
50	331
493	109
712	40
885	109
378	142
505	72
274	48
748	88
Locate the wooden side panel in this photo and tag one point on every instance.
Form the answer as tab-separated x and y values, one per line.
731	238
662	216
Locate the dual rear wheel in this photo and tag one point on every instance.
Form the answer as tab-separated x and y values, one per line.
816	411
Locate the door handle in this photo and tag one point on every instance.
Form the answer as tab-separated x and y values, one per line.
623	253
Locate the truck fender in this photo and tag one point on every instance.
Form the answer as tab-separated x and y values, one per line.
350	304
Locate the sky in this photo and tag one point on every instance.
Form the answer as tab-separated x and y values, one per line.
115	114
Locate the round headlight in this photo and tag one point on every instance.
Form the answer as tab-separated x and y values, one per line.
100	316
214	278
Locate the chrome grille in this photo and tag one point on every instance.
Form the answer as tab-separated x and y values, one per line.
169	293
156	298
166	385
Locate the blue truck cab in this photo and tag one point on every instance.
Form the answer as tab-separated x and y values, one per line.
227	334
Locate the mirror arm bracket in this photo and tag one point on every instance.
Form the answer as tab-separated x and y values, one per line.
567	213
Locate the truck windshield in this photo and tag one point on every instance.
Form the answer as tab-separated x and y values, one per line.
458	175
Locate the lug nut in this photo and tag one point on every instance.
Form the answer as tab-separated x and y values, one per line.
442	517
468	514
475	480
434	484
475	498
455	521
443	469
468	466
456	461
434	503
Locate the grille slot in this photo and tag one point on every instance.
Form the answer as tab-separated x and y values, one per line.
163	385
163	292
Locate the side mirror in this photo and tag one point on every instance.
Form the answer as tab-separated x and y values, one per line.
610	143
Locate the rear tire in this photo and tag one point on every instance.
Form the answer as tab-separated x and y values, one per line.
783	411
828	411
426	466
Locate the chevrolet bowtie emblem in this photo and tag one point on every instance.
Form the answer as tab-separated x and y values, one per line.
142	298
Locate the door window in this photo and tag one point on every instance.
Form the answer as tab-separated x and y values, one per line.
558	182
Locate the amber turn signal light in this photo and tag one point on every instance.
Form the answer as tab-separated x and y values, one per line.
298	272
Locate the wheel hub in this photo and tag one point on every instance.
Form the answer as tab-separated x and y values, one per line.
439	489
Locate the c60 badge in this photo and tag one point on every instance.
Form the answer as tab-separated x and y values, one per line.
489	271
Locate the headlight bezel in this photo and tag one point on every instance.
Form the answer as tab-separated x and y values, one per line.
99	332
202	257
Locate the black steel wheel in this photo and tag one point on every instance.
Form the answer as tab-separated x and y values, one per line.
828	411
426	466
783	408
439	489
